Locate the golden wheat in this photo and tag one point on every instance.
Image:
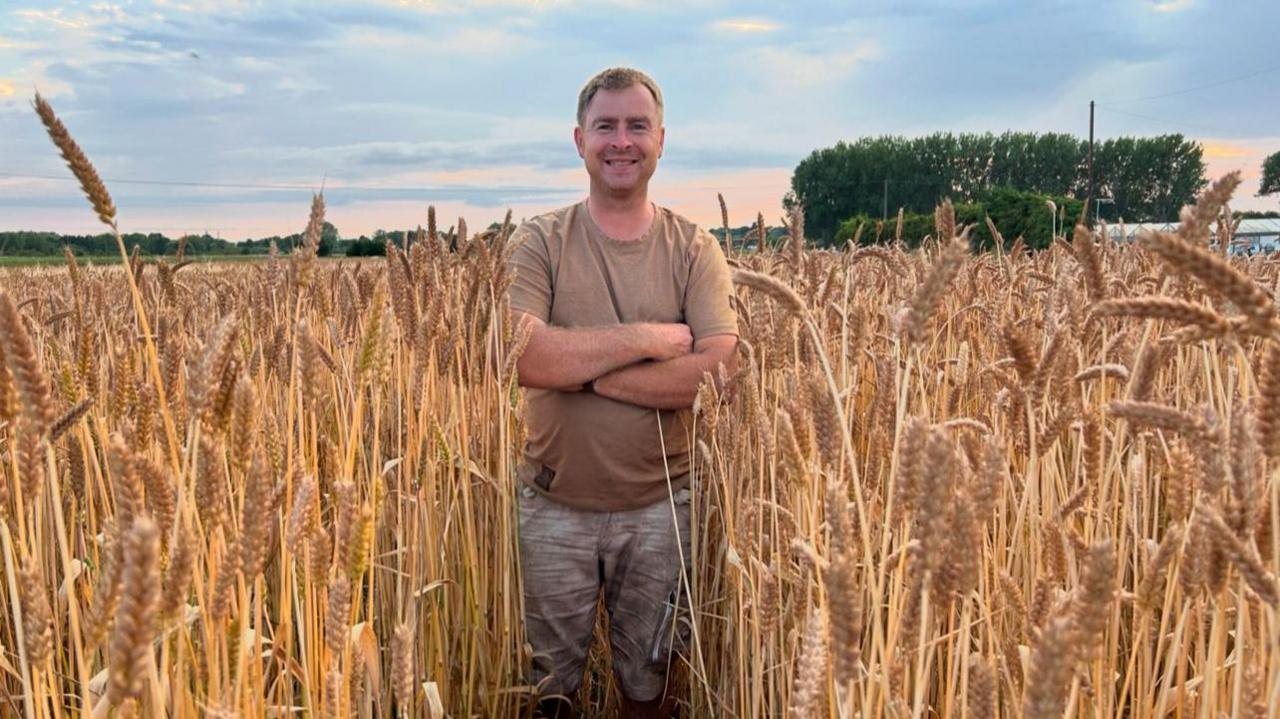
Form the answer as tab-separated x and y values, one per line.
296	494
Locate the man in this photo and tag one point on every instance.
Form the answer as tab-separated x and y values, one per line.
630	306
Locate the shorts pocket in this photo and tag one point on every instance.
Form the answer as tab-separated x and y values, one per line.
671	636
528	503
535	473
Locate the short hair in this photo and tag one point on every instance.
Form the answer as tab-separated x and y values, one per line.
616	78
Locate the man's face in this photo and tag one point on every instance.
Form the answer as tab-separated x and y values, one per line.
621	140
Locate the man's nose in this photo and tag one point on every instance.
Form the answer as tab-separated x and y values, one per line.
621	139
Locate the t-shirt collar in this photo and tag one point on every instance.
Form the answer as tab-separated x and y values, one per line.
594	228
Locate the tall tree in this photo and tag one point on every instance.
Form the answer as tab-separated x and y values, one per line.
328	239
1048	163
1270	175
1148	178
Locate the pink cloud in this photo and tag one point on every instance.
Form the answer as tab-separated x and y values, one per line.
1224	155
746	193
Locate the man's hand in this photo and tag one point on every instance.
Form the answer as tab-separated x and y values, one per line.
670	340
673	383
562	358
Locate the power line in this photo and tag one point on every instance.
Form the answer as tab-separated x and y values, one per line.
1166	121
1197	88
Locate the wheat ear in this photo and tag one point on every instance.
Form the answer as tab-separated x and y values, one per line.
402	674
1214	272
1259	579
90	183
931	290
135	622
37	617
771	286
811	669
28	378
1164	308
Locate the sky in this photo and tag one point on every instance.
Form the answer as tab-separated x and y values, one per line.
222	116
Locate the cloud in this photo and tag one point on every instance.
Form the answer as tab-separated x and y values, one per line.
480	41
255	64
724	157
428	155
36	76
11	44
452	7
1223	150
375	158
53	17
479	95
746	193
204	7
795	68
297	86
133	197
209	87
745	25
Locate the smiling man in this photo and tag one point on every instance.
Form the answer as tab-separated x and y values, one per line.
630	305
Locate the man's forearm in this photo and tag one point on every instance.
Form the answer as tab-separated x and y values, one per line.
671	384
560	357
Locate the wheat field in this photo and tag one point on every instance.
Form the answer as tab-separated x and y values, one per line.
944	484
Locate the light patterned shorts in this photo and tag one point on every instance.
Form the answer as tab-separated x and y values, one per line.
567	555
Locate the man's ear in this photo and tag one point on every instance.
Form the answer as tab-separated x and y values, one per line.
578	141
662	139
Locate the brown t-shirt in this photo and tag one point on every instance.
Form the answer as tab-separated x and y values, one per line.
606	455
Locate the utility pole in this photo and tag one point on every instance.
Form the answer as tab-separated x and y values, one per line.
884	202
1089	197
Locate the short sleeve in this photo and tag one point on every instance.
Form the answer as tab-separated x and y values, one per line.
531	264
708	307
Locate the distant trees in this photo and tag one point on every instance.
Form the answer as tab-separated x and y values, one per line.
45	244
1148	178
365	247
1270	175
37	244
328	239
26	243
747	237
1015	214
50	244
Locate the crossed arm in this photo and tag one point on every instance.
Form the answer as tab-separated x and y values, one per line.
646	364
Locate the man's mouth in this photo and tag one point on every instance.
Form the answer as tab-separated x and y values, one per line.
620	163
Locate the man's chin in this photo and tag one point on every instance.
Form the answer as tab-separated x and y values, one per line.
621	189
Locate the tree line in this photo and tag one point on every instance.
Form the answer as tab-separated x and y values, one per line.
26	243
1139	178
